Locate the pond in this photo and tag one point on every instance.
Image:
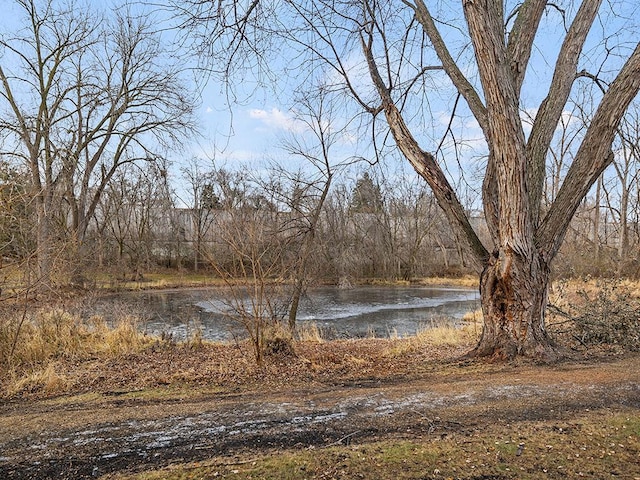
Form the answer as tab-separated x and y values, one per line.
338	313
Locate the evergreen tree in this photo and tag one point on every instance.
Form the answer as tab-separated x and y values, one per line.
366	196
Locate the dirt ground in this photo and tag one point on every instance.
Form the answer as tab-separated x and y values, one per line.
179	406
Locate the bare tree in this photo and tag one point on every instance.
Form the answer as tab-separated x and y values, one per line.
416	227
15	215
317	112
131	218
202	203
568	133
627	169
405	52
252	260
84	96
337	240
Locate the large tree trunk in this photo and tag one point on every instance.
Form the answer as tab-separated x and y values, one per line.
514	296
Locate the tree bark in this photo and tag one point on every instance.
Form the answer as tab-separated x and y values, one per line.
514	295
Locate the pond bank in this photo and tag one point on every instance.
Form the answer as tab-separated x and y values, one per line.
221	314
174	280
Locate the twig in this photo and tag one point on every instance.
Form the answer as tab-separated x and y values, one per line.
580	340
337	442
558	311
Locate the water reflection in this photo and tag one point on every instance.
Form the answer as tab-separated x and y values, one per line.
355	312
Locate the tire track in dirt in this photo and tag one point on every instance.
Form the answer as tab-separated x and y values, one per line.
145	434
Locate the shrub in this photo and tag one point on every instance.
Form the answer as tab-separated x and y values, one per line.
611	315
278	341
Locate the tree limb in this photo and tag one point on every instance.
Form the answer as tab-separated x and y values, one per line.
593	156
450	67
521	38
425	165
551	108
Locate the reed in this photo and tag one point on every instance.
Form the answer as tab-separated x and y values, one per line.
32	343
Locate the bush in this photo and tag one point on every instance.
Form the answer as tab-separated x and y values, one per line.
611	315
278	341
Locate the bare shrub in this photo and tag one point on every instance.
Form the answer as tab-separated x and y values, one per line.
603	312
610	315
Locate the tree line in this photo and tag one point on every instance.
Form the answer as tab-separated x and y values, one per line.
375	226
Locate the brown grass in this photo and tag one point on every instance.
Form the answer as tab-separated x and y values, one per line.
35	347
52	351
309	332
440	333
463	281
58	354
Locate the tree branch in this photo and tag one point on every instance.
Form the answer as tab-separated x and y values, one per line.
551	108
450	67
593	156
425	165
521	38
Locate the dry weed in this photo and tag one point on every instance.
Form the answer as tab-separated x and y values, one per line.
439	332
309	332
474	316
47	380
31	345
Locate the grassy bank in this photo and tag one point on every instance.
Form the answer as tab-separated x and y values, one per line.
36	347
53	352
13	281
43	348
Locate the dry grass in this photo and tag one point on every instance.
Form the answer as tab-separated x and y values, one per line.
309	332
567	293
152	281
49	380
447	334
473	317
34	347
58	354
463	281
437	334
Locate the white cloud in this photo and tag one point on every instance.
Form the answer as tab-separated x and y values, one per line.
276	119
209	110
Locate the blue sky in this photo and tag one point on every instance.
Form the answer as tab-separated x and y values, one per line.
258	124
251	131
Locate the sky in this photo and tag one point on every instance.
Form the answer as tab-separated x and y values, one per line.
251	131
258	124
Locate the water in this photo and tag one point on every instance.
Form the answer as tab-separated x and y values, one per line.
355	312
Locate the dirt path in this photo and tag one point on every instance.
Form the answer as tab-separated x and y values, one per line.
85	437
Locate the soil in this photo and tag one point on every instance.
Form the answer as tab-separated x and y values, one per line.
328	395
